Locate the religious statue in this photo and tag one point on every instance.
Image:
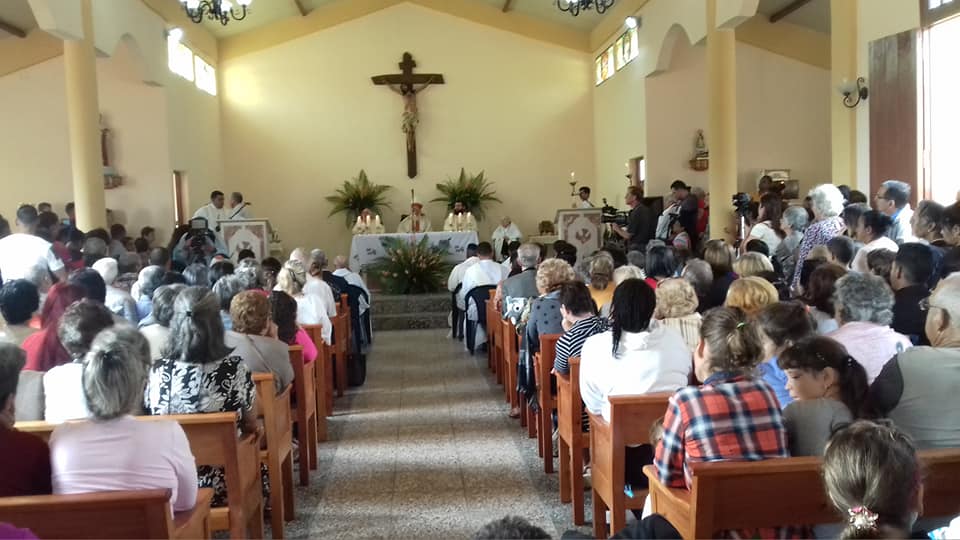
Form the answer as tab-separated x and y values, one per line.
700	147
408	85
110	177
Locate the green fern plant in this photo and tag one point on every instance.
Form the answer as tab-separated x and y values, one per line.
411	268
475	191
356	194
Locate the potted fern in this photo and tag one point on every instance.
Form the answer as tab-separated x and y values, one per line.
474	191
357	194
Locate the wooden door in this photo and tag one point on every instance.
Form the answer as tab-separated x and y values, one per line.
894	111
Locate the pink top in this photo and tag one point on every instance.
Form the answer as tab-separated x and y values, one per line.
309	347
873	345
124	454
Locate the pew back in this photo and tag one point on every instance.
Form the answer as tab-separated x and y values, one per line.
278	456
324	377
304	382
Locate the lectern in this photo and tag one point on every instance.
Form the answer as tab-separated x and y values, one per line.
581	227
252	234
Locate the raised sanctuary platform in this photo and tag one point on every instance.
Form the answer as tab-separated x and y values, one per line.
410	312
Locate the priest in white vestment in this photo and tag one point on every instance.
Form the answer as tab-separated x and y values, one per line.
460	219
342	269
238	208
213	212
504	234
485	272
417	221
368	223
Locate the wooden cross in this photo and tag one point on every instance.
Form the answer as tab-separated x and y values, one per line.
408	85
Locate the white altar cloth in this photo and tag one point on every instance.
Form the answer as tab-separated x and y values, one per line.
367	248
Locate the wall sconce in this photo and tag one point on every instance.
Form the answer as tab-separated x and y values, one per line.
854	93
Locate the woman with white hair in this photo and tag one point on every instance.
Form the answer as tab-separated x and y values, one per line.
310	309
112	450
864	310
827	204
118	301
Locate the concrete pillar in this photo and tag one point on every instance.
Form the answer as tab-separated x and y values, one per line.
722	126
843	66
83	119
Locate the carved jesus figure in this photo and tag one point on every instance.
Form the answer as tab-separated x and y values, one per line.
410	118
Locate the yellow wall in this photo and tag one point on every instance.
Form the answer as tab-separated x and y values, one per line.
301	117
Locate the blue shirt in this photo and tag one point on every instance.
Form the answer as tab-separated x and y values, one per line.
777	379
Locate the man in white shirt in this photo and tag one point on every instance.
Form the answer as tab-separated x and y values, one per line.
456	275
342	269
22	251
315	286
872	231
584	198
502	236
417	221
213	212
485	272
893	199
238	208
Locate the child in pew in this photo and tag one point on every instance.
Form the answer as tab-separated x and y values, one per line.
828	387
734	416
873	478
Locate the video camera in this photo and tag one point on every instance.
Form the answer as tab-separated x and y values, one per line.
741	202
609	214
197	238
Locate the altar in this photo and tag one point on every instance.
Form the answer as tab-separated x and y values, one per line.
367	248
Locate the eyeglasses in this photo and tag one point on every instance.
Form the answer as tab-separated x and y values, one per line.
925	305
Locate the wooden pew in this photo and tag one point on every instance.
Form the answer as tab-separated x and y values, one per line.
572	439
511	357
631	417
278	456
341	347
542	366
109	514
305	386
324	376
789	491
496	329
213	441
494	347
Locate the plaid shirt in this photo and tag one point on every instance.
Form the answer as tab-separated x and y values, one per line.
730	418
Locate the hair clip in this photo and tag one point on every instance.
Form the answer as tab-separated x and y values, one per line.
741	325
189	313
862	518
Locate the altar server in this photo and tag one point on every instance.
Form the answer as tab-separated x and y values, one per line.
504	234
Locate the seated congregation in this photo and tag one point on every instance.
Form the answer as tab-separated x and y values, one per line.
130	372
833	358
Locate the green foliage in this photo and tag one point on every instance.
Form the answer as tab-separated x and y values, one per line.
410	268
474	191
356	194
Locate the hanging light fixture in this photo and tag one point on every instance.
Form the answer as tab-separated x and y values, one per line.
215	10
574	7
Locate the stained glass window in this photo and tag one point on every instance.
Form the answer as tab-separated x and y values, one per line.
206	76
179	58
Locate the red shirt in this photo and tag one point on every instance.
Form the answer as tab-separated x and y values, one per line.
24	464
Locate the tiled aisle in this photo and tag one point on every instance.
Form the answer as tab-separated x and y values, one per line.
425	450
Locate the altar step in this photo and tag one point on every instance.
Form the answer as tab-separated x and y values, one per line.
410	312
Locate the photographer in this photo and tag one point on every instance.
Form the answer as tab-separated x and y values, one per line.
640	222
199	244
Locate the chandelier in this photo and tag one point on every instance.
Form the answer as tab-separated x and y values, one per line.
574	6
215	10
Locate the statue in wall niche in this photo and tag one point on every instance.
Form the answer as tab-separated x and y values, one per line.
700	147
111	179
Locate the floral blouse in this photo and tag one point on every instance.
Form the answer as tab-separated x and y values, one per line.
817	234
176	387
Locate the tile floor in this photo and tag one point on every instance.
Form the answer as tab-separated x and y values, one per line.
425	450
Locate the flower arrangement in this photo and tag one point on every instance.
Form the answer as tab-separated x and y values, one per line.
357	194
411	267
474	191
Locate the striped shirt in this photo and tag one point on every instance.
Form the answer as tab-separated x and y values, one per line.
571	342
729	418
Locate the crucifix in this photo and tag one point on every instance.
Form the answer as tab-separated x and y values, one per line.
408	85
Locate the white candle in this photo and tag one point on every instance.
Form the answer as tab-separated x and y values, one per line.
359	220
366	220
377	219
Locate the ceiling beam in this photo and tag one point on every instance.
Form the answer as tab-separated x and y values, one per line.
788	9
507	4
301	8
11	29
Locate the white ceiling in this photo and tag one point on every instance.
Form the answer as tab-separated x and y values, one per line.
264	12
814	15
